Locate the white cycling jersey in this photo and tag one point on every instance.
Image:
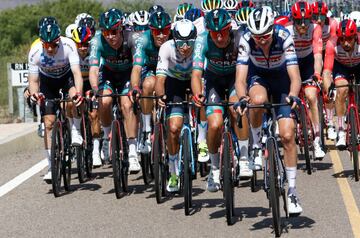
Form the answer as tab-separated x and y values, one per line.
200	25
53	66
171	63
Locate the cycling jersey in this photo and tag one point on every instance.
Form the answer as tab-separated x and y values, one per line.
55	66
113	59
328	30
171	63
309	43
200	25
219	61
146	53
84	66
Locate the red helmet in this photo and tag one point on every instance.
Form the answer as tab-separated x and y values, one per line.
301	10
281	20
246	3
319	8
346	28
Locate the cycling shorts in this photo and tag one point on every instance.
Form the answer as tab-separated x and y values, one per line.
306	67
342	71
147	71
216	88
175	91
115	81
51	87
86	86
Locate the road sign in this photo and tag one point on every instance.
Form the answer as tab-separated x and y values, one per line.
19	74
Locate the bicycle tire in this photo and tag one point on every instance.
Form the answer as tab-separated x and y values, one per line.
89	148
305	138
253	182
56	159
354	142
66	167
80	162
156	153
274	192
228	178
322	123
145	168
124	158
115	158
186	157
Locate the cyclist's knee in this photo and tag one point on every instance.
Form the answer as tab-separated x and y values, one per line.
214	125
258	99
287	137
174	128
126	106
105	102
148	85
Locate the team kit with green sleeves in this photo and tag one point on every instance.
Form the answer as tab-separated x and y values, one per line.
227	50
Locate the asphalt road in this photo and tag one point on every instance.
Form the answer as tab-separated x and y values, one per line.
330	198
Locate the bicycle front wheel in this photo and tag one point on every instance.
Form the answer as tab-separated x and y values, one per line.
305	137
354	142
66	159
228	178
322	123
186	157
80	162
115	157
157	154
56	158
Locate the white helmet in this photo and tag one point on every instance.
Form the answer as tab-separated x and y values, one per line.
69	30
81	16
184	30
141	18
355	16
230	4
260	21
177	18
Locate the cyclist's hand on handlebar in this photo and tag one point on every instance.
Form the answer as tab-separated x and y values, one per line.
134	94
293	101
162	101
241	106
37	98
317	78
78	99
331	92
198	99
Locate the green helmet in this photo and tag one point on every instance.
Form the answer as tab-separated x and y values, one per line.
159	20
49	32
217	19
111	19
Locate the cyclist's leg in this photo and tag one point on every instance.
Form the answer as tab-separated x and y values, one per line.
76	137
202	129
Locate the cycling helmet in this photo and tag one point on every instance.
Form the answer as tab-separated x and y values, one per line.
275	13
184	30
301	10
242	15
111	19
141	18
208	5
81	34
81	16
319	8
246	3
261	21
355	16
230	4
193	14
346	28
217	19
88	22
159	20
69	29
177	18
156	8
46	20
49	32
183	8
282	20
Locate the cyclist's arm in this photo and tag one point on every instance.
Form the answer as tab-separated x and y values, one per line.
295	79
317	49
94	61
198	63
77	78
160	85
162	69
33	61
329	62
33	83
196	87
139	56
94	77
135	76
240	83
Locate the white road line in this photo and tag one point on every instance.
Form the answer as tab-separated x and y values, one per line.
4	189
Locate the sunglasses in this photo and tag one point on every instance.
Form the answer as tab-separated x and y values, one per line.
319	17
157	32
346	38
304	21
182	43
224	32
111	32
83	45
262	37
53	44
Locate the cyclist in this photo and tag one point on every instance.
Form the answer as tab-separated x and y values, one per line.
113	46
173	74
183	8
54	65
355	16
342	58
140	21
308	44
88	22
156	8
246	3
193	14
82	36
219	46
328	25
267	65
144	66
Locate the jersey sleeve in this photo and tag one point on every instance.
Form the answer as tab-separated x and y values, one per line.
317	42
163	61
288	47
95	50
139	55
243	57
34	59
330	54
333	27
200	52
74	58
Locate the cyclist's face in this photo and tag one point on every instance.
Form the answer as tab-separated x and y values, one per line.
161	36
51	48
221	38
263	40
347	43
83	49
185	50
113	37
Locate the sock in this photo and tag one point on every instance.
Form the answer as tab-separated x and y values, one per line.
96	145
214	160
243	145
316	129
172	161
292	190
77	123
256	136
291	176
71	120
330	116
146	122
47	154
341	123
132	145
202	128
107	130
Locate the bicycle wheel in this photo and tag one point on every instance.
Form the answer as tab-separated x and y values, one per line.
66	159
89	148
80	162
253	181
115	157
157	158
274	192
354	143
322	123
124	158
228	178
146	168
186	157
56	158
305	137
